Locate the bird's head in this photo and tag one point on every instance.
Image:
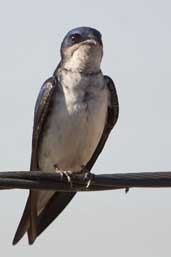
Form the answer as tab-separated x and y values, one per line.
82	50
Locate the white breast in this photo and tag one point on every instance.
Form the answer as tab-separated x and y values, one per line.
76	123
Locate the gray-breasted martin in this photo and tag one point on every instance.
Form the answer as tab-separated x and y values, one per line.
75	111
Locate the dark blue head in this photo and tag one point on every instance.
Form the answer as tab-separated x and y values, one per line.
80	34
82	49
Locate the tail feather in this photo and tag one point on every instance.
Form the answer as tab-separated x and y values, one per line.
24	223
34	225
28	221
54	207
32	230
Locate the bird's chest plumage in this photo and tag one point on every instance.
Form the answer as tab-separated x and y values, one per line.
75	124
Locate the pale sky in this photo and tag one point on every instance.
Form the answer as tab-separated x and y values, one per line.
137	56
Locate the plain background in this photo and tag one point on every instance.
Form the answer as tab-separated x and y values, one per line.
137	42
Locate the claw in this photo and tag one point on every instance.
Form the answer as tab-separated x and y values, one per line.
88	183
60	173
90	177
57	170
87	175
68	176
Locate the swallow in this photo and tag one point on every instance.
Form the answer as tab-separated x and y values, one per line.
75	111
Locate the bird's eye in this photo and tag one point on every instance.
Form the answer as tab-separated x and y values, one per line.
76	38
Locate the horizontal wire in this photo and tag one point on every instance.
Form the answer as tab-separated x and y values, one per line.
53	181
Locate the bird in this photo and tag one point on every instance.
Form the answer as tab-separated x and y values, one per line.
75	111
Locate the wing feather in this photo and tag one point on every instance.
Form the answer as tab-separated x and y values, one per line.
112	117
28	220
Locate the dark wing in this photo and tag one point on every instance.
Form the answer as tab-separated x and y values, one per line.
112	117
30	222
40	112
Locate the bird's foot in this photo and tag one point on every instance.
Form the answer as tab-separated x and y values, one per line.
67	174
88	176
60	173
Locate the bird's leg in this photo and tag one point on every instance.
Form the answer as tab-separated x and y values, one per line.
88	176
57	170
67	174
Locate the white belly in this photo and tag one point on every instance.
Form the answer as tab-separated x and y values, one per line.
73	131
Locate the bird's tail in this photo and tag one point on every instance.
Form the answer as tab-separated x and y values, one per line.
35	224
28	221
